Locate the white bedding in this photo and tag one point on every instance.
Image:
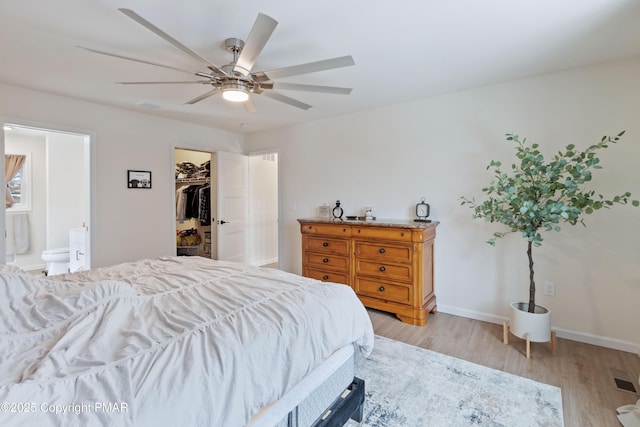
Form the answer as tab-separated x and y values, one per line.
181	341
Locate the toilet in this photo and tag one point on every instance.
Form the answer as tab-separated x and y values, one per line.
57	260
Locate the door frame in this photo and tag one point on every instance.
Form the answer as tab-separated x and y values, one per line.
89	171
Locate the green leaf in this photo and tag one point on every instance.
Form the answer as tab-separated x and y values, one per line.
538	194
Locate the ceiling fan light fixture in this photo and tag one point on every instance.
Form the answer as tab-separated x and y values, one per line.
235	92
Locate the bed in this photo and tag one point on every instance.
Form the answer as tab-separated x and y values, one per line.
182	341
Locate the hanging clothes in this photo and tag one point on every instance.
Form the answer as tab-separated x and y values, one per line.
193	201
204	204
181	203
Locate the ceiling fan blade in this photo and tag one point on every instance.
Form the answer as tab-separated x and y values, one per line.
286	100
249	105
165	83
148	25
310	67
312	88
203	96
115	55
257	39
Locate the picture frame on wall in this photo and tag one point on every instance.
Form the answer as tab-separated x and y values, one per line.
138	179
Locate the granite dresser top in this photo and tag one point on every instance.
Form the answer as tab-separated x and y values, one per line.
404	223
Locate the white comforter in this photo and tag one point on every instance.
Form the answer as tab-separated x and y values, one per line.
166	342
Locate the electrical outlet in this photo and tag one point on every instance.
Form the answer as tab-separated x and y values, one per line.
550	289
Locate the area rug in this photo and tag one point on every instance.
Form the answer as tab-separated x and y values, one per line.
409	386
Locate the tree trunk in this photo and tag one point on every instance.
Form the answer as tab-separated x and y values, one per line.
532	283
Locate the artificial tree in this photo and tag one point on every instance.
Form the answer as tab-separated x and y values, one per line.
540	195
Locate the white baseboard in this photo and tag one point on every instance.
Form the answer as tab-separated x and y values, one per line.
34	267
265	262
560	333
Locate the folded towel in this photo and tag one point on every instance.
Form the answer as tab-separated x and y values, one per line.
18	236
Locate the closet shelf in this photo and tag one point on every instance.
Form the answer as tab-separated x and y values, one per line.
193	180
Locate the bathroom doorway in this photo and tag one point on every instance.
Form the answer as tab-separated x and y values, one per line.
52	189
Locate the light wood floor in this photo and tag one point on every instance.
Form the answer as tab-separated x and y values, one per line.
582	371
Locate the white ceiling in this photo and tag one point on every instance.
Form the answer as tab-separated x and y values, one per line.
404	50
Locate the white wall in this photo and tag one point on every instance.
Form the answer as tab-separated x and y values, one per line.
128	224
65	187
439	147
263	209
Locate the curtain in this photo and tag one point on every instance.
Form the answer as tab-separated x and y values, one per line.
12	165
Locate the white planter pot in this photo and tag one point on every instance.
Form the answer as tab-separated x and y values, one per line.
537	324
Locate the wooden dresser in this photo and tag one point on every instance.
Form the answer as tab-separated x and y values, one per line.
389	264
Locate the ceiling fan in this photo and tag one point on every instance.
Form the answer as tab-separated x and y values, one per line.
236	80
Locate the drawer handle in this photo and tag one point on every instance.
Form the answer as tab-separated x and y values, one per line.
325	244
325	277
381	288
382	250
325	260
401	234
382	268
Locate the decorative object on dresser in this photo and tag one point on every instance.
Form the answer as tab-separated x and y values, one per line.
324	211
368	214
422	211
388	263
536	196
337	211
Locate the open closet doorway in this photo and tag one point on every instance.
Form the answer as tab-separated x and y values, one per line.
212	211
195	201
243	201
48	199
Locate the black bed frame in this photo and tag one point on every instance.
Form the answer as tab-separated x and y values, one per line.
348	405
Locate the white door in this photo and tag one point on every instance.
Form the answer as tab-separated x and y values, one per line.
232	212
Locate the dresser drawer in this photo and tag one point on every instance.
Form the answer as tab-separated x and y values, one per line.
332	262
327	276
332	246
327	229
383	233
382	252
386	270
383	290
